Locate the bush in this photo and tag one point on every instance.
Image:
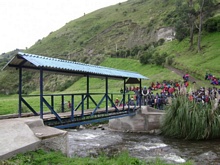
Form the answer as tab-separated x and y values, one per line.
160	41
169	60
191	120
146	57
212	24
160	59
181	31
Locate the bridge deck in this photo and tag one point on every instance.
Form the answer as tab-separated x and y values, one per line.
78	113
79	117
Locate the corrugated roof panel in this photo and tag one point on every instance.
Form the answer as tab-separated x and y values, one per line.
54	63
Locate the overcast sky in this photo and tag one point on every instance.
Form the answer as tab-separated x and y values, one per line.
23	22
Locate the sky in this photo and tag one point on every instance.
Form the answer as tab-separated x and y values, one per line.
23	22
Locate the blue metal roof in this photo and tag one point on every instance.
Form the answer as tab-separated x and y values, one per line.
33	61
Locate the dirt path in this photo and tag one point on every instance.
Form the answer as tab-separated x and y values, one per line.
181	73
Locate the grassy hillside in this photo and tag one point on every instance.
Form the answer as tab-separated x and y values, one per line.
193	62
125	25
128	26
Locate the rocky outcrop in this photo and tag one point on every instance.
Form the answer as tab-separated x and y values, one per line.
167	33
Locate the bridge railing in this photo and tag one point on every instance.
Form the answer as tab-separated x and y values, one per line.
58	103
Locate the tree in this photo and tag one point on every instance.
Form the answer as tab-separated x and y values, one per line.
192	17
192	13
185	20
205	8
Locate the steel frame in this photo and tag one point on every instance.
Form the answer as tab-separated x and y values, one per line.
86	96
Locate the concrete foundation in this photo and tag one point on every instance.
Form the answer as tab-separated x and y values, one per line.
147	119
26	134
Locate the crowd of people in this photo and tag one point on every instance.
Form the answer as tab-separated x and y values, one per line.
213	80
204	95
158	95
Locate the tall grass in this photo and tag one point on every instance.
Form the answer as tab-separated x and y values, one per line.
191	120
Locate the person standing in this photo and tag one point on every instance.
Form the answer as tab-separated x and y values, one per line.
137	96
144	94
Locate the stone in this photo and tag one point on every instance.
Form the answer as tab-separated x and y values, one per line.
82	127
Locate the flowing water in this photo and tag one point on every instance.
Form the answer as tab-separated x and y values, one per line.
90	142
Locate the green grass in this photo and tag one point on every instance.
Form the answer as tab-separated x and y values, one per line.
56	158
193	62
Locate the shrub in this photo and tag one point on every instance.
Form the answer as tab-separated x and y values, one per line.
212	24
160	41
146	57
191	120
181	30
169	60
160	59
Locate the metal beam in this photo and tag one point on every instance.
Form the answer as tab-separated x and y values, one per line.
52	110
41	93
29	107
87	90
106	93
72	107
20	93
124	94
93	121
140	93
62	103
98	105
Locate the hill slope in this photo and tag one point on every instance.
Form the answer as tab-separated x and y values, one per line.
128	27
124	25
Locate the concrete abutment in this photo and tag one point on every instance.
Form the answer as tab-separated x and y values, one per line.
147	120
27	134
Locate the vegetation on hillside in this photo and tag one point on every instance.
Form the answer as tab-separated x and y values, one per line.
197	64
130	30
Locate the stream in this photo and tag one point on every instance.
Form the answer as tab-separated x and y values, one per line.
92	141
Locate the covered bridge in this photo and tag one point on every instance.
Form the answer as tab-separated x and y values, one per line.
24	61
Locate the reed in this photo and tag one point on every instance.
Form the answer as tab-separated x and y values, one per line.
191	120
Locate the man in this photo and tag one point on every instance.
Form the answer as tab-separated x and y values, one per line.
137	96
144	94
131	102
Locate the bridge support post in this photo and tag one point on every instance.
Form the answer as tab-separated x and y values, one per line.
20	92
106	93
87	91
124	94
41	93
140	86
52	101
